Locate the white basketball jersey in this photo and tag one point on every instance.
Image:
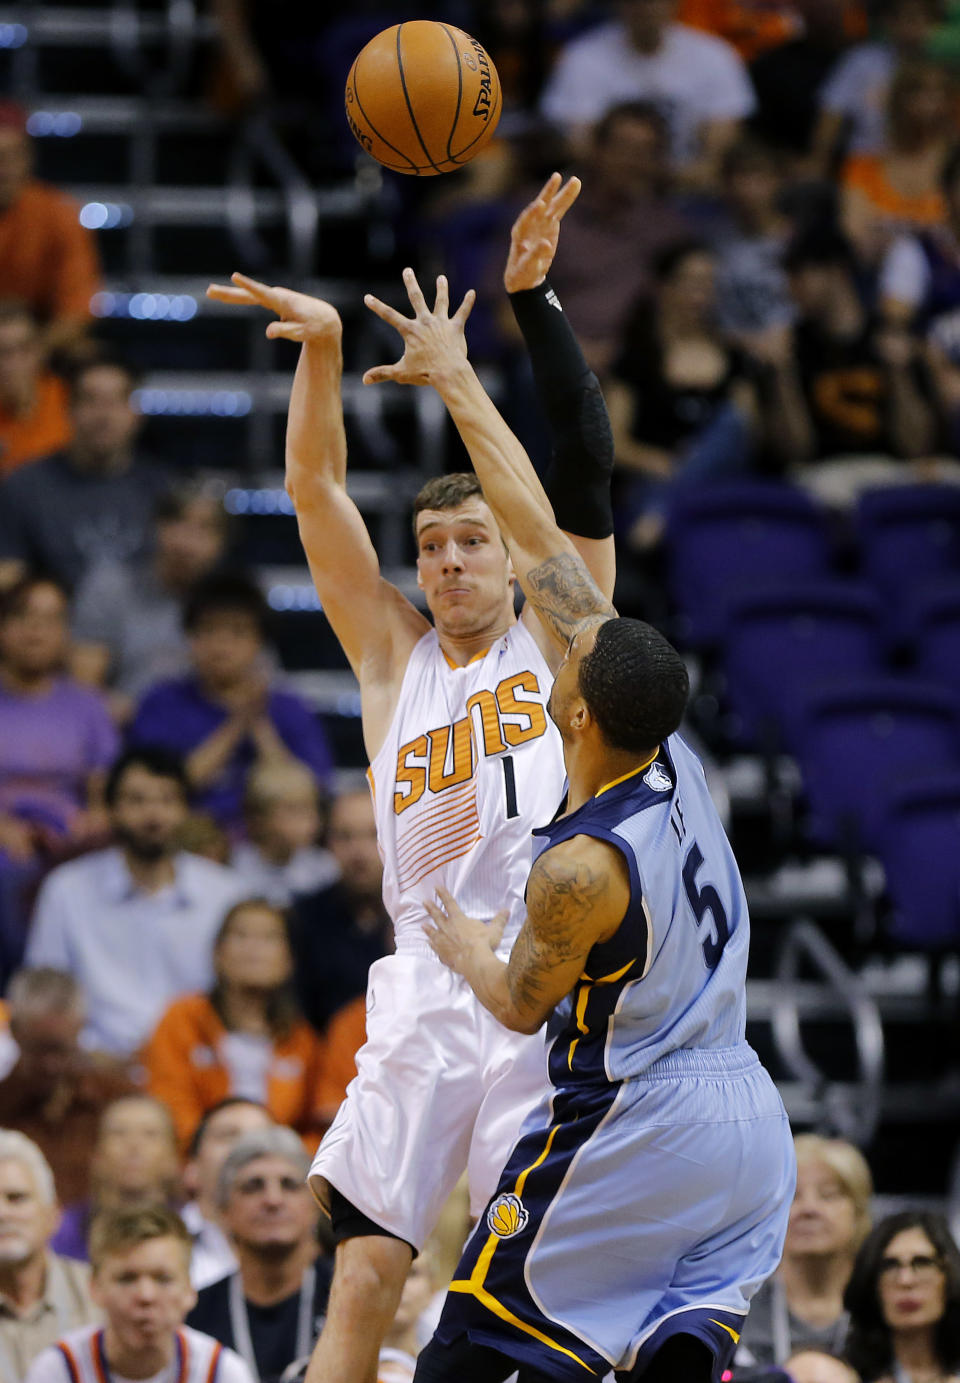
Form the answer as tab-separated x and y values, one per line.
471	764
199	1358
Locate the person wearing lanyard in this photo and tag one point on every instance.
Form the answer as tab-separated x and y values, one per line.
270	1310
904	1302
802	1305
141	1283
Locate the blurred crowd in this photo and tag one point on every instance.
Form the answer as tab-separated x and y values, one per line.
764	270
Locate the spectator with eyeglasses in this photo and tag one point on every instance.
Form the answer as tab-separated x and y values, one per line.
904	1302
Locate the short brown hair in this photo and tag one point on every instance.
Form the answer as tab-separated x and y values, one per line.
118	1231
446	492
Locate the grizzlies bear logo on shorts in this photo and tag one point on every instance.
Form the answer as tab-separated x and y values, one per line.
507	1216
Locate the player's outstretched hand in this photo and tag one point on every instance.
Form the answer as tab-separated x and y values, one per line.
535	233
456	937
302	318
433	342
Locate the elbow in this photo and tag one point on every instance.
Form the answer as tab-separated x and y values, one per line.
523	1022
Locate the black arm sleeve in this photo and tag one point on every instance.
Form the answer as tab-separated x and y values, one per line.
578	481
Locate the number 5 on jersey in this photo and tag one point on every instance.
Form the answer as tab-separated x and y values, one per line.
706	902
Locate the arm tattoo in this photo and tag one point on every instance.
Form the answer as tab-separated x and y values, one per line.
565	595
560	899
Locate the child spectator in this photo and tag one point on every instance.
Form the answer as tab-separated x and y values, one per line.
141	1283
134	1164
41	1294
92	501
897	188
127	617
245	1037
34	418
46	257
225	717
281	858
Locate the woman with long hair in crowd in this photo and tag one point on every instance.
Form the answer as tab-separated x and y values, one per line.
904	1302
246	1037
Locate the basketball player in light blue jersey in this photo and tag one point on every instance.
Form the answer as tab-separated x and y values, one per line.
647	1199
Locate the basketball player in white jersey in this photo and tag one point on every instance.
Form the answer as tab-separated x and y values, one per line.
464	762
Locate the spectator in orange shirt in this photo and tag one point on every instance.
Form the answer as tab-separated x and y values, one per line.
897	189
246	1037
46	256
34	415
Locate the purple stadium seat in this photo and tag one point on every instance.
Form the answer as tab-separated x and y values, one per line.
918	841
858	743
735	538
792	639
935	633
909	538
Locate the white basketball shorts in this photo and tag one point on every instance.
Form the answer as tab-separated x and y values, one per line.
441	1087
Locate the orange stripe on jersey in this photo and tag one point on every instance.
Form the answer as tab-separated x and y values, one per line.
409	855
96	1354
426	862
424	822
437	864
214	1361
68	1357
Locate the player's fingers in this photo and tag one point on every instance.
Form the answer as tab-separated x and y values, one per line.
434	912
446	898
262	292
549	189
441	304
285	331
379	374
386	313
465	308
224	293
415	293
566	196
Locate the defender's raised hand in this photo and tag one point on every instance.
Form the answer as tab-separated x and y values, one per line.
535	232
302	318
433	342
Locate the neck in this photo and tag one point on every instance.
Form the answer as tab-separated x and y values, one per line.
460	648
108	1196
914	1351
267	1280
98	463
647	42
244	1008
150	875
18	399
589	773
23	682
763	221
23	1283
814	1284
275	851
140	1361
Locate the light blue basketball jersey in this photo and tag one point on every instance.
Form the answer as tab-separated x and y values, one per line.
672	976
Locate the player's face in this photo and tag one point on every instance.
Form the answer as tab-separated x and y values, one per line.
823	1215
565	695
145	1293
270	1206
463	568
912	1283
26	1222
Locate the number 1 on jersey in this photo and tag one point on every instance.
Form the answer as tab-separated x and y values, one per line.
510	786
703	901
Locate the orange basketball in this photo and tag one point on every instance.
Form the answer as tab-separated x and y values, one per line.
423	98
